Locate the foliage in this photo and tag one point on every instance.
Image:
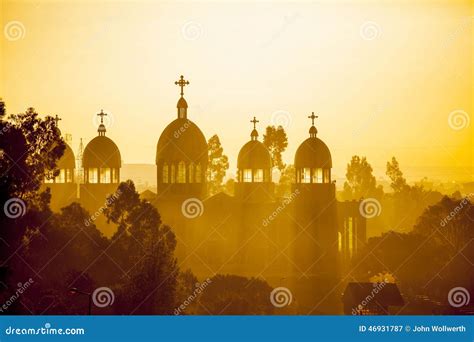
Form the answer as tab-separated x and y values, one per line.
235	295
287	177
276	141
360	181
217	165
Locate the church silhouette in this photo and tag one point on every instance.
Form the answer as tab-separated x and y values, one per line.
303	242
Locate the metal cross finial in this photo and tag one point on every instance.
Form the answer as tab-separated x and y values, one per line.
182	83
254	121
312	117
57	119
102	114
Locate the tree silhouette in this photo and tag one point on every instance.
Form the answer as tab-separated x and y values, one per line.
276	141
217	165
287	177
360	181
148	247
235	295
399	183
29	150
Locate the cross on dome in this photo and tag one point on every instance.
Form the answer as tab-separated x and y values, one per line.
254	121
312	117
56	120
182	83
312	131
102	114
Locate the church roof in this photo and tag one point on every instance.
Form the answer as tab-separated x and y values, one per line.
67	160
254	155
182	140
313	153
101	152
182	103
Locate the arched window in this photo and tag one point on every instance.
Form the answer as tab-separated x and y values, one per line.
317	175
69	175
165	174
191	173
198	173
181	172
93	175
306	175
173	173
115	175
247	175
105	175
61	177
258	175
327	175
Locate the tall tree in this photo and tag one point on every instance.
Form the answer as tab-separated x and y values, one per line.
360	182
399	183
217	165
149	249
29	150
276	141
287	177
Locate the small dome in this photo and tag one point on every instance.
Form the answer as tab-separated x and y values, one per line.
313	153
182	140
67	160
182	103
254	155
101	152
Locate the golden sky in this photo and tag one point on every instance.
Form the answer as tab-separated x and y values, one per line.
385	78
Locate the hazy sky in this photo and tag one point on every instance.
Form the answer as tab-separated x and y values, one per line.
385	79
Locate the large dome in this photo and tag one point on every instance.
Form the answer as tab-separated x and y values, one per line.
101	152
67	161
254	155
182	140
313	153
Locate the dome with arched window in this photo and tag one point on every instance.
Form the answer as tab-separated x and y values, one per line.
101	161
181	155
313	160
254	162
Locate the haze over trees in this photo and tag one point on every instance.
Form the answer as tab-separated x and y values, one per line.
217	165
58	251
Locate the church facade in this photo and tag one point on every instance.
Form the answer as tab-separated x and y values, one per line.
302	242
